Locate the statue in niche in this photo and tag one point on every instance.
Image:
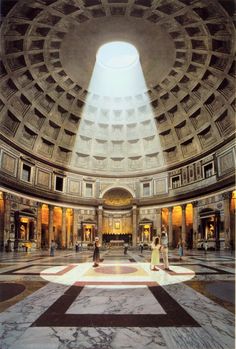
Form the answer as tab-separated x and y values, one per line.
22	232
87	234
211	231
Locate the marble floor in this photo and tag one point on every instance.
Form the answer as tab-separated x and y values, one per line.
62	302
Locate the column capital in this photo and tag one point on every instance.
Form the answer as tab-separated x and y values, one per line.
51	207
64	209
227	195
170	209
6	196
158	210
195	203
183	206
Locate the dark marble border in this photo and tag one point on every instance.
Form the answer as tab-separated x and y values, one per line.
21	260
56	315
10	290
13	272
217	271
220	259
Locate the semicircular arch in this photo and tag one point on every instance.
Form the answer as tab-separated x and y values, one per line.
122	187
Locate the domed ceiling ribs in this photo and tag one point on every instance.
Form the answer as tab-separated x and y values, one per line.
186	51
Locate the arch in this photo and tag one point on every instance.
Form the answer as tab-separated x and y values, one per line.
117	197
124	187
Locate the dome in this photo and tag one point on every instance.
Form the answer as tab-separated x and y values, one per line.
183	107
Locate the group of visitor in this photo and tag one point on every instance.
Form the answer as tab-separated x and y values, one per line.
160	246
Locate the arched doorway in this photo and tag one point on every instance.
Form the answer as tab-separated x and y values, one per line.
117	222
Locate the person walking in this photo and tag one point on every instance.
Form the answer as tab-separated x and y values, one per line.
141	247
77	246
125	247
52	248
96	253
164	248
155	257
205	246
180	249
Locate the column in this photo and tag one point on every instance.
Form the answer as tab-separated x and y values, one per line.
1	221
158	220
64	237
100	214
227	234
75	226
7	215
50	225
170	227
195	223
39	224
134	213
184	223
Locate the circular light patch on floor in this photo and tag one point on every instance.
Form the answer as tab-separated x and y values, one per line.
109	274
116	269
117	55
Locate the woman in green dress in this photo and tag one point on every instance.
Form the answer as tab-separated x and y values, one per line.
155	258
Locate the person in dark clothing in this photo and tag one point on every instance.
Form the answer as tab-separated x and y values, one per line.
141	247
96	253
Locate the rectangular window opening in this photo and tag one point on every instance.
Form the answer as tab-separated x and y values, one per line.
176	182
208	170
89	189
26	173
59	183
146	189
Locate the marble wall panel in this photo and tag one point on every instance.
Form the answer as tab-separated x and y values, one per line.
9	163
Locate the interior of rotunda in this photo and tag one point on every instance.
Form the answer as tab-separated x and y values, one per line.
117	122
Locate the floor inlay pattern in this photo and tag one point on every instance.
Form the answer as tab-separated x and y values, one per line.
122	304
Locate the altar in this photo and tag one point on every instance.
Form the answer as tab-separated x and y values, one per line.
116	243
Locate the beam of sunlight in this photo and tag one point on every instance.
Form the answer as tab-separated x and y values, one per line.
118	131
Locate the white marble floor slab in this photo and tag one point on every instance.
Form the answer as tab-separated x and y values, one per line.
90	338
17	318
189	338
116	301
216	320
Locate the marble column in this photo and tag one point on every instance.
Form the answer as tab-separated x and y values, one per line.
1	221
100	215
64	238
158	220
75	226
170	226
7	215
183	230
195	223
227	234
50	225
39	224
134	214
